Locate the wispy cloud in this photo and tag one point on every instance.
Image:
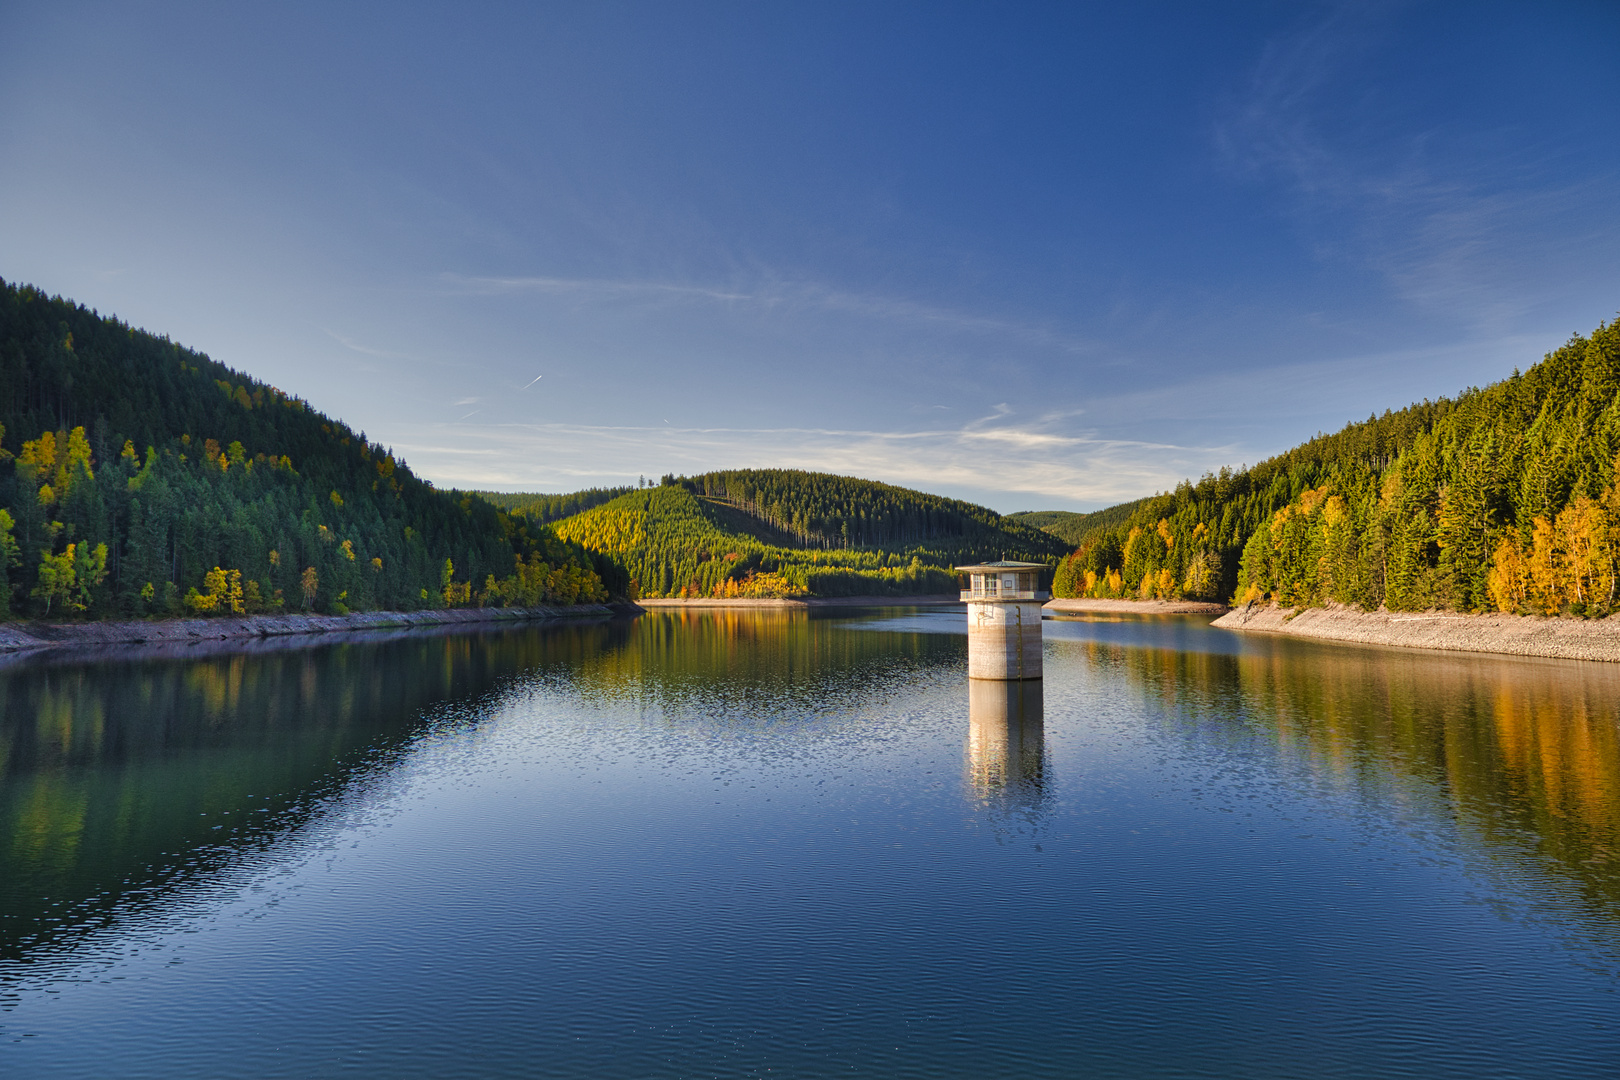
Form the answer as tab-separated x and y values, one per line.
1264	411
596	288
782	297
1060	458
1451	218
1022	463
364	350
900	309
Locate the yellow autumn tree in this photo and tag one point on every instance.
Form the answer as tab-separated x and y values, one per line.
1144	591
56	579
65	580
40	453
1582	533
1509	578
1545	563
222	594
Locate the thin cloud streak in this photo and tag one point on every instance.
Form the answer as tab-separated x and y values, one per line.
600	288
1451	230
1020	463
901	310
997	457
1326	393
783	297
364	350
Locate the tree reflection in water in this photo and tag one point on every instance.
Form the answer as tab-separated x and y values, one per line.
126	776
1520	756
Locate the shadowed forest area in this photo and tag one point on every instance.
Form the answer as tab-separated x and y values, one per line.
142	478
139	477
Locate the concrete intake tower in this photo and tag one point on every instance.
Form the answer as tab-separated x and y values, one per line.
1004	620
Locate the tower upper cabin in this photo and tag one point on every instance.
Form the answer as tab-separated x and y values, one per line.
1004	619
1004	582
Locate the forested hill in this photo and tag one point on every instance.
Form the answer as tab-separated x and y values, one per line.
1073	528
778	532
1500	499
541	509
140	477
822	510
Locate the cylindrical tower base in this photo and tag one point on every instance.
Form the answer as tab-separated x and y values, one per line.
1004	640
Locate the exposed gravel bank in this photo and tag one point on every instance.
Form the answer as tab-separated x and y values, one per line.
808	602
36	635
1515	635
1142	607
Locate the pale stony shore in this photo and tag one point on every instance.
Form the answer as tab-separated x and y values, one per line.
1514	635
19	636
1141	607
805	602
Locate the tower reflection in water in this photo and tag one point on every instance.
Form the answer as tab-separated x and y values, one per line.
1006	754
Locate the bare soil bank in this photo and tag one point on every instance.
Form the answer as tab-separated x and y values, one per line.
1144	607
1515	635
35	635
808	602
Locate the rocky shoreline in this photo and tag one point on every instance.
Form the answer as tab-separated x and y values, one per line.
1141	607
806	601
1513	635
22	636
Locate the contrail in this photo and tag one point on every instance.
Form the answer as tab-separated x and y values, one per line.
530	383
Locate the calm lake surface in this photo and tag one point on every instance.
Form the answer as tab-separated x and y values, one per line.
740	842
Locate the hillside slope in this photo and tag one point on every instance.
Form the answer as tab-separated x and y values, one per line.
781	533
543	509
1073	528
1500	499
139	477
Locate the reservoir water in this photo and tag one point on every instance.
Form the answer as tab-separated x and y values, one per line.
741	842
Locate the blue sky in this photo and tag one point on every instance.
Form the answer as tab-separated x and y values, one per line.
1038	256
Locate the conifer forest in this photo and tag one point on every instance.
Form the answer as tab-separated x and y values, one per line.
1501	499
786	533
138	477
141	478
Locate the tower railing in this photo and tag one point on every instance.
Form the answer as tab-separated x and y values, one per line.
1007	594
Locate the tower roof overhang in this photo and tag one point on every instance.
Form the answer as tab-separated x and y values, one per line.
999	567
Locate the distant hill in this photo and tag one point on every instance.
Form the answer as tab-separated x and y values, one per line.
1073	528
1500	499
542	509
779	532
139	477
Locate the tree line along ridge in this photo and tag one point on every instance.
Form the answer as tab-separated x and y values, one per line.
1501	499
139	477
142	478
784	533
